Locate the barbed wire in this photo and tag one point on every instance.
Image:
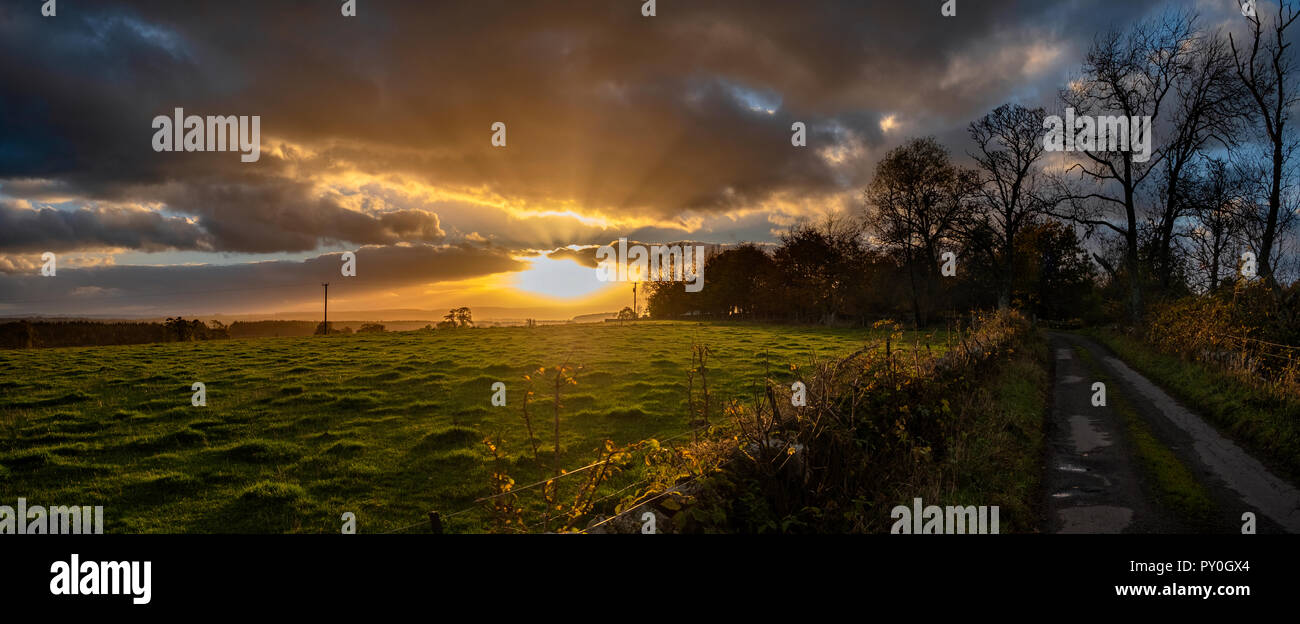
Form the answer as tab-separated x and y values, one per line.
478	501
666	492
594	503
1258	341
405	528
568	473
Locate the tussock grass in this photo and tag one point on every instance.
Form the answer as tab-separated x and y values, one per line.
263	451
450	437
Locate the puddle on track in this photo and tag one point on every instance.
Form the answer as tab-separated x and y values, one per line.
1086	435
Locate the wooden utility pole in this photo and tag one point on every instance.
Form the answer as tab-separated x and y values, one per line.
634	300
326	323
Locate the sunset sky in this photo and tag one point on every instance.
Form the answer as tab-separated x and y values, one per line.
376	129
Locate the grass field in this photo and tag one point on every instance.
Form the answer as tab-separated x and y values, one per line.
297	431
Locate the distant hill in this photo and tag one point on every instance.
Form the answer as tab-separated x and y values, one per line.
595	318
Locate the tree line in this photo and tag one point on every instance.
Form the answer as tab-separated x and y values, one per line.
42	334
26	334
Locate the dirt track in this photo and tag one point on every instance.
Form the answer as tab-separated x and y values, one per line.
1095	481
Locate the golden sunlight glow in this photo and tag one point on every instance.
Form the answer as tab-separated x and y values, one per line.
343	177
561	279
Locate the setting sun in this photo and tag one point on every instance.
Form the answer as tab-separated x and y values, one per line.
564	279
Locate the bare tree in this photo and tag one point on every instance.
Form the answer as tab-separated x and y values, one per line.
1208	110
1253	165
1010	143
1268	73
915	204
1214	198
822	264
1128	74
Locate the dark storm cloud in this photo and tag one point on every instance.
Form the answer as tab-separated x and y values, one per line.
604	107
285	216
201	289
46	229
235	214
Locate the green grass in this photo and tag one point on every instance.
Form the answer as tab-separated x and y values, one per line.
1266	423
297	431
1175	484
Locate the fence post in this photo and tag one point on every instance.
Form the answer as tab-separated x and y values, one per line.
435	522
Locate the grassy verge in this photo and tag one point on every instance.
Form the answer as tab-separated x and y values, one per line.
1266	423
1176	486
999	460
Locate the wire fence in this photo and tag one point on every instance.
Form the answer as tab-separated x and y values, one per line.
598	501
674	489
564	474
1243	339
1254	347
1268	365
